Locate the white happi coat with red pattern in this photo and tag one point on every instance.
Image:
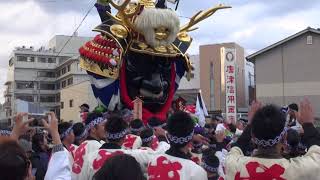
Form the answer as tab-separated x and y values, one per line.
240	167
96	159
169	167
70	157
132	141
81	155
73	149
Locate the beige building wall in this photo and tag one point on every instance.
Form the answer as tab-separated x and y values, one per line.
289	72
211	54
79	94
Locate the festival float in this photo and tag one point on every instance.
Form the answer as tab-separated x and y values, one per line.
140	51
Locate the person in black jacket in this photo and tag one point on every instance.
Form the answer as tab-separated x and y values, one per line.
40	156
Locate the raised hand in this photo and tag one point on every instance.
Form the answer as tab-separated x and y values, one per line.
52	126
220	136
21	126
306	113
158	131
255	106
200	139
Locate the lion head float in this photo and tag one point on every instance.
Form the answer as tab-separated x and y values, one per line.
140	52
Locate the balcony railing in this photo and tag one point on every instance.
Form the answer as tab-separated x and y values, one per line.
8	92
7	104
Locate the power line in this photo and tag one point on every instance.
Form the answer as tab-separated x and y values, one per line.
74	32
185	17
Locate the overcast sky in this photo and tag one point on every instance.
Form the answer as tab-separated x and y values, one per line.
253	24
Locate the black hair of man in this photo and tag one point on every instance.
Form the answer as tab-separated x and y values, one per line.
14	164
180	125
135	125
210	158
37	140
91	117
154	122
113	169
63	127
268	123
145	134
78	129
115	125
85	106
294	107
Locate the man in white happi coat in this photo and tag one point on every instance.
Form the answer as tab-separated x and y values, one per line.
176	163
116	129
95	127
67	138
267	130
133	140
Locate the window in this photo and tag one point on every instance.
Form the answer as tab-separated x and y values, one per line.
62	105
63	59
25	98
47	98
22	58
58	85
69	68
51	60
58	73
70	81
63	84
46	74
31	59
63	71
25	85
71	103
42	60
309	40
58	97
44	86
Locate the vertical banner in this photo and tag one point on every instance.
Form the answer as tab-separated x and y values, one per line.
229	58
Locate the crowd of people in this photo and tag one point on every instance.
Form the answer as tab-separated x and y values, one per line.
273	143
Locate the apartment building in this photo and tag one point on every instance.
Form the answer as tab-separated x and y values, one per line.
38	75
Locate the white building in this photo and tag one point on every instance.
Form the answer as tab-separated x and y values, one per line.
37	76
249	81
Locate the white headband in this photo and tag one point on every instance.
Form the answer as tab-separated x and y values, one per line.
209	168
82	135
270	142
5	133
66	133
148	139
180	140
136	129
119	135
95	122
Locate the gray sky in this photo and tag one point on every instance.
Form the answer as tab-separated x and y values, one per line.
253	24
